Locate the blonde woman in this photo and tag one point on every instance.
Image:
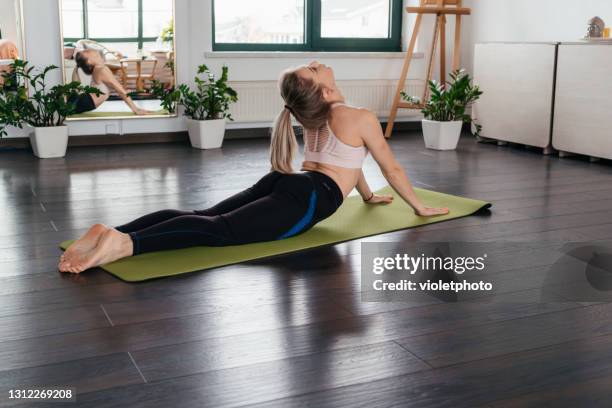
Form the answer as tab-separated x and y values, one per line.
337	138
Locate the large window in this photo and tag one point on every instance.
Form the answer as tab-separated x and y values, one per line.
135	24
307	25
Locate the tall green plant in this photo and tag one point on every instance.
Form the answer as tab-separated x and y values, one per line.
449	102
45	106
169	96
211	98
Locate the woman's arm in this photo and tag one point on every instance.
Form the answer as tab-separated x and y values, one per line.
109	79
374	140
367	194
362	187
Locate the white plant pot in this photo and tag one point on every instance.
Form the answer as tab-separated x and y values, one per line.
441	135
49	142
206	134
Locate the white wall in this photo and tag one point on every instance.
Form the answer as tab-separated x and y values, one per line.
193	22
530	21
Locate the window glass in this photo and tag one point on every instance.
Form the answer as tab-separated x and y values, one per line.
112	18
156	15
259	22
355	18
72	18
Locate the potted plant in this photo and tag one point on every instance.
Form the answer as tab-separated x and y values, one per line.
169	95
45	109
207	107
445	112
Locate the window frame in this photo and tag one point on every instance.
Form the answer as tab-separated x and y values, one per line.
315	43
140	39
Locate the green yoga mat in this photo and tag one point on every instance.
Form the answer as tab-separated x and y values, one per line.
354	219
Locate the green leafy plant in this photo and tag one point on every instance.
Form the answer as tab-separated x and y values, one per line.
169	96
449	102
211	98
167	33
45	106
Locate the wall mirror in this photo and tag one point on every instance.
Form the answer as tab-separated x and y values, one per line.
126	49
11	34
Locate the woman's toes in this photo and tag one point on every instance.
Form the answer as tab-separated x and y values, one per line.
84	263
79	268
63	265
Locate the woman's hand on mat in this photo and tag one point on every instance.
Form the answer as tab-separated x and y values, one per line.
429	212
380	199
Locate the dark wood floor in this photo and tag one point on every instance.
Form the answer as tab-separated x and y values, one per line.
292	331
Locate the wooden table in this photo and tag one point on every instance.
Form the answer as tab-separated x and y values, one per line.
139	77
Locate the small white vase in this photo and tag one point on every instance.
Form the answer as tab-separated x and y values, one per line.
206	134
49	142
441	135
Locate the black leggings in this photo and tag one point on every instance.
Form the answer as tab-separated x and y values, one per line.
83	103
278	206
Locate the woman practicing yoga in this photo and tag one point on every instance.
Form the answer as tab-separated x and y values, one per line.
92	63
282	204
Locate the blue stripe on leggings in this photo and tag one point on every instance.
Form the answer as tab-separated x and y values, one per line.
305	220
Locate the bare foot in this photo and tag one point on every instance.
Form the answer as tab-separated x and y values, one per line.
76	259
82	246
113	245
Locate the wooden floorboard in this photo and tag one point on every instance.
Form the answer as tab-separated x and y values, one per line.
86	375
457	346
292	331
277	378
481	382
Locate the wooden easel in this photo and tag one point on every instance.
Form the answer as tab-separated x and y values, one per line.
440	8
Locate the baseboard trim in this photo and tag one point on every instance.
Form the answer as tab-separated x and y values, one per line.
15	143
170	137
136	138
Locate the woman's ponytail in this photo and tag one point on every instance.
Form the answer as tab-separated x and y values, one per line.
284	143
303	99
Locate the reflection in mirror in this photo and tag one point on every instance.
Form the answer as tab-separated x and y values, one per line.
125	48
11	35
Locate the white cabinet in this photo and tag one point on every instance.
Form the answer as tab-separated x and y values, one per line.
517	80
583	102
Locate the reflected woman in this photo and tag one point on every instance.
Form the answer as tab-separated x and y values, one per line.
8	51
92	63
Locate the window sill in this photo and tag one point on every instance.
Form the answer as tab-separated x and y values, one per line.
306	54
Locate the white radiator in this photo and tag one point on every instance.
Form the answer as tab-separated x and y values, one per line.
260	101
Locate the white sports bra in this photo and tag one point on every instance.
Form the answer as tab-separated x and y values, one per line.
322	146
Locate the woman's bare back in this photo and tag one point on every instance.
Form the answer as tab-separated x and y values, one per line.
343	123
